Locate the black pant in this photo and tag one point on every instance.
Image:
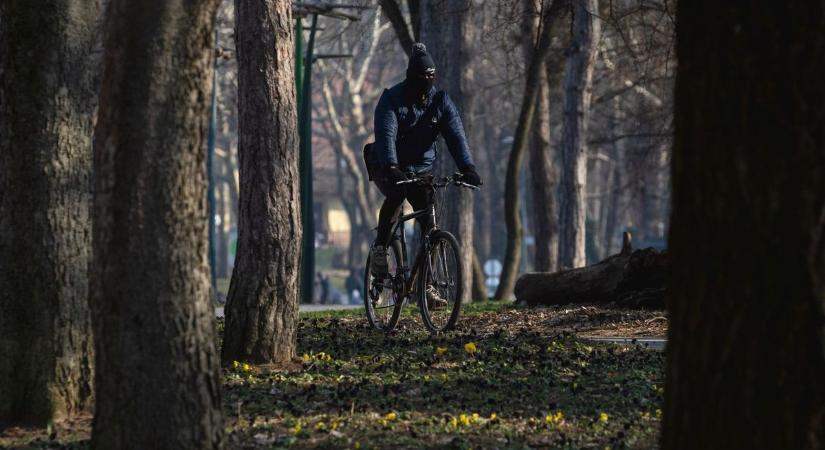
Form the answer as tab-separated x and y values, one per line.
419	196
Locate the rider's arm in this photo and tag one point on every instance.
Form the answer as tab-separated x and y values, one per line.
453	132
386	130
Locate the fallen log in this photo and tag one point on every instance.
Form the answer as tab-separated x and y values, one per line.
633	279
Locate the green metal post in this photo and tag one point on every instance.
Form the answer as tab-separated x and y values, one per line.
210	194
305	169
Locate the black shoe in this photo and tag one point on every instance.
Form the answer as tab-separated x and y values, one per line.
378	262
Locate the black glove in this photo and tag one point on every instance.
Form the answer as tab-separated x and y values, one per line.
394	174
470	176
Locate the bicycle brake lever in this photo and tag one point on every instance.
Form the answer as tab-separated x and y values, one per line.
467	185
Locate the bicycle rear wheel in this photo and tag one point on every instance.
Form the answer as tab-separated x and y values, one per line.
441	285
383	300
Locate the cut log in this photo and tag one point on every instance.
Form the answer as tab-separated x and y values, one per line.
632	279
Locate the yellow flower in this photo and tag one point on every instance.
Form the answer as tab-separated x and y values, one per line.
320	426
444	377
297	428
454	423
333	425
475	417
554	419
246	367
493	416
603	417
464	419
235	364
391	416
426	378
306	358
441	350
658	413
357	445
470	347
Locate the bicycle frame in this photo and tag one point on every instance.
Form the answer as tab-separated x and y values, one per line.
410	273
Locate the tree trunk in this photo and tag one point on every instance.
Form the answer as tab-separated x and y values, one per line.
157	379
746	355
479	280
512	256
444	28
223	229
47	101
578	83
542	172
262	307
392	10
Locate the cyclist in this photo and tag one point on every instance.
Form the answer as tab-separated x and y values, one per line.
408	119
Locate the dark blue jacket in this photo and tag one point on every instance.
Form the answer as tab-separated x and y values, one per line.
401	140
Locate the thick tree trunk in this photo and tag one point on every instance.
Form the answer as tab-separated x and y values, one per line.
47	101
262	308
444	30
512	256
746	355
578	83
157	379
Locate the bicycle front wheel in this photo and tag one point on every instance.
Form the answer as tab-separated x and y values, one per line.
442	284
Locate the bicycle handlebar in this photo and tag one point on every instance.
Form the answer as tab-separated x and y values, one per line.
454	179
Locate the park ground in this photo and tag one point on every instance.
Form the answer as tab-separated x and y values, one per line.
507	378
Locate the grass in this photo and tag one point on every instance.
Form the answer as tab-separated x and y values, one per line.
531	382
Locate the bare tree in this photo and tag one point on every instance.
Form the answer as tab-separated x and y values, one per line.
348	88
156	377
515	232
407	35
578	80
47	101
746	358
262	306
542	170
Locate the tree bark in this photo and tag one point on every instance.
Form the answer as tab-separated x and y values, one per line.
47	102
262	308
578	84
746	355
222	232
512	255
480	292
444	30
156	376
542	172
392	10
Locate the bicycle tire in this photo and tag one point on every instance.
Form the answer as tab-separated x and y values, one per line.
438	237
392	321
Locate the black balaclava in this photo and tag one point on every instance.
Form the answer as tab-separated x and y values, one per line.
421	64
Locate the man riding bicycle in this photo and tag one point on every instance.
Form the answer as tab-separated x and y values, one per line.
408	119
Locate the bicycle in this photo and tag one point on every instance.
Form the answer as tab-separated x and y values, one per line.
435	278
